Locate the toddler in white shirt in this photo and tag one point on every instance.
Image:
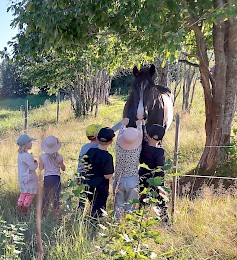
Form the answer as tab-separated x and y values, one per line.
27	177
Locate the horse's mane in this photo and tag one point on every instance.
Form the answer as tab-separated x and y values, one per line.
163	89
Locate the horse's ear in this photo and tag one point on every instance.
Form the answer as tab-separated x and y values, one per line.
135	71
152	70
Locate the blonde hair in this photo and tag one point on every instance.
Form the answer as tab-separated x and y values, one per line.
22	149
52	158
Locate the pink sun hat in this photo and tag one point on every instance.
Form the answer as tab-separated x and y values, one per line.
130	138
51	144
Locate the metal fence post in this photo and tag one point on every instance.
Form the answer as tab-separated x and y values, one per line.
58	104
175	179
26	117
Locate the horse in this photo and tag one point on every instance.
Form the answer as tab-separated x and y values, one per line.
149	101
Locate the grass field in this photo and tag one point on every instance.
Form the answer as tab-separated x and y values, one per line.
204	228
18	103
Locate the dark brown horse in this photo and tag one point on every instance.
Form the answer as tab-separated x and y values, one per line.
149	101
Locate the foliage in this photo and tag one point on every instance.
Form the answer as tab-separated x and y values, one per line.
118	33
193	235
121	84
11	80
128	239
115	27
11	239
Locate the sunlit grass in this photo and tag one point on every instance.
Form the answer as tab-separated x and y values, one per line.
204	228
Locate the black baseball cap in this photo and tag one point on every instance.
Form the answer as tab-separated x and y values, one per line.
156	132
105	134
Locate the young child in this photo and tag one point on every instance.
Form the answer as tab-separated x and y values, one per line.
91	133
128	149
51	162
100	171
27	177
153	155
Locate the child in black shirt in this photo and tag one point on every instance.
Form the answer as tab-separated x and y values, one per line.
153	155
100	170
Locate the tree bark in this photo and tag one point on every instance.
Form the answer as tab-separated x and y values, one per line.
219	92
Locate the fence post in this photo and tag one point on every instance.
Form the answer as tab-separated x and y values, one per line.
176	150
58	103
26	117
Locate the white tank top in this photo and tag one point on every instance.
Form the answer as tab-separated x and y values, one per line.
51	167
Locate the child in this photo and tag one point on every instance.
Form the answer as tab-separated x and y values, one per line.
51	161
153	156
91	133
27	177
100	171
128	149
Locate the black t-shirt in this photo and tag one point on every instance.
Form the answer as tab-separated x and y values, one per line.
101	163
152	157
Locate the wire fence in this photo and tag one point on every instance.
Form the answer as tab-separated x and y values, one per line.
176	153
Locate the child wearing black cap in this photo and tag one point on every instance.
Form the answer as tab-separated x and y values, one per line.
99	168
153	155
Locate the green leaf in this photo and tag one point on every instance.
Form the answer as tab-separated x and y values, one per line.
156	181
129	217
158	240
66	195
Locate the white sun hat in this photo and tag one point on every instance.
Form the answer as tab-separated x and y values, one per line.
130	138
51	144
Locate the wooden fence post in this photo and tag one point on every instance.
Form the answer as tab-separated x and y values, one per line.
176	150
58	104
26	117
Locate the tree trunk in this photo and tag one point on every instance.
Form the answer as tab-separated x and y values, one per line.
220	93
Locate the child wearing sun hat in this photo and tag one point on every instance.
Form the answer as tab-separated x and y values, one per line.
51	162
27	177
128	148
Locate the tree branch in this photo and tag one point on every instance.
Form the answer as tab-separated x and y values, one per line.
189	63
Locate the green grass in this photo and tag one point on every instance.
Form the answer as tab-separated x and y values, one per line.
19	103
203	229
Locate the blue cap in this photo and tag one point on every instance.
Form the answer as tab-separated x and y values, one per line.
24	139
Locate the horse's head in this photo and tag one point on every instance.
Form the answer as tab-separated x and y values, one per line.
145	100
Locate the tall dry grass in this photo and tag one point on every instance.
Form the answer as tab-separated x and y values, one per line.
204	228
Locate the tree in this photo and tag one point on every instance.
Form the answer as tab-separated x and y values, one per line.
11	81
150	27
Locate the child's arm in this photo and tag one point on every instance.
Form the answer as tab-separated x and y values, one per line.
124	123
62	166
30	161
41	166
108	176
139	124
120	124
109	168
61	163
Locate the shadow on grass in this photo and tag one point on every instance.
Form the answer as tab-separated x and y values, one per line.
191	185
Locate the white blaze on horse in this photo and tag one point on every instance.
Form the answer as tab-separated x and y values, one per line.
149	101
